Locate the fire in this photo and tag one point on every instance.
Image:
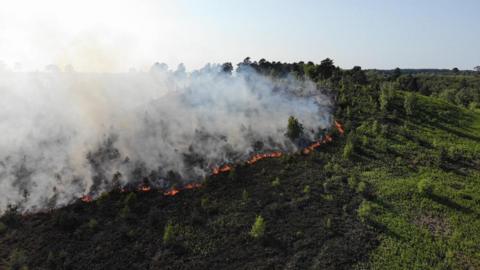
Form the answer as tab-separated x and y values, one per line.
339	127
258	157
224	168
192	186
86	198
171	192
144	188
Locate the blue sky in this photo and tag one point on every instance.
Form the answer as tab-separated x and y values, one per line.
116	35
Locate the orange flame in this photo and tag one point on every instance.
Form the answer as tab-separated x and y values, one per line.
339	127
171	192
224	168
86	198
258	157
144	188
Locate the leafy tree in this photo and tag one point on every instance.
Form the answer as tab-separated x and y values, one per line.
326	68
396	74
227	67
386	95
258	228
477	69
294	128
455	70
410	103
358	75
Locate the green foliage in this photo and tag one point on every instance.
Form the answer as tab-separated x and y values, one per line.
386	95
348	150
410	103
130	199
3	228
306	189
258	228
16	261
276	182
92	224
425	187
366	211
294	128
169	233
245	195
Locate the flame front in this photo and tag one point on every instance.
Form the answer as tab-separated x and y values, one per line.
226	168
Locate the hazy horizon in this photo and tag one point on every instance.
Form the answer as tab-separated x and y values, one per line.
116	36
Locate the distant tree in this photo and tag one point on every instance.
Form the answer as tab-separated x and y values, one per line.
326	68
358	75
294	128
227	67
477	69
455	70
396	74
410	103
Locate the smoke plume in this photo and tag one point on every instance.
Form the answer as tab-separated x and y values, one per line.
65	134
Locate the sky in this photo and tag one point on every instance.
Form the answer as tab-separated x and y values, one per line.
120	35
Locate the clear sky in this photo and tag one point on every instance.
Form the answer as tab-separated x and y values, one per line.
114	35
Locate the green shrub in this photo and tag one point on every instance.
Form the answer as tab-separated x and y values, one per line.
306	189
245	195
125	212
348	150
425	187
258	228
92	224
16	261
168	233
365	211
276	182
3	228
410	103
130	199
294	128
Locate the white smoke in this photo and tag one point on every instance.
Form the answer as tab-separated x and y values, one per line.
64	134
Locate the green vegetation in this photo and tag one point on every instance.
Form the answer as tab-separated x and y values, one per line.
294	128
400	191
258	228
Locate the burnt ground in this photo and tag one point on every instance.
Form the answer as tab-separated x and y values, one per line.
309	210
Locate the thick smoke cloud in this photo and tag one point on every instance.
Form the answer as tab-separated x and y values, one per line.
65	134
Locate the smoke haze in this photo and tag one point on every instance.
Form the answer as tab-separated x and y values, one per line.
65	134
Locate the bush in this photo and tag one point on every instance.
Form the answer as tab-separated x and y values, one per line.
258	228
365	211
16	261
130	199
425	187
3	228
306	189
410	103
348	150
294	128
276	182
67	221
168	233
92	224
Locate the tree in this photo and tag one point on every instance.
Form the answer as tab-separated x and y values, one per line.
455	70
386	95
294	128
358	75
410	103
227	67
258	228
477	69
396	74
326	68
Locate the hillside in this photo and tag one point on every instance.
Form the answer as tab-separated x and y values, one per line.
400	190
